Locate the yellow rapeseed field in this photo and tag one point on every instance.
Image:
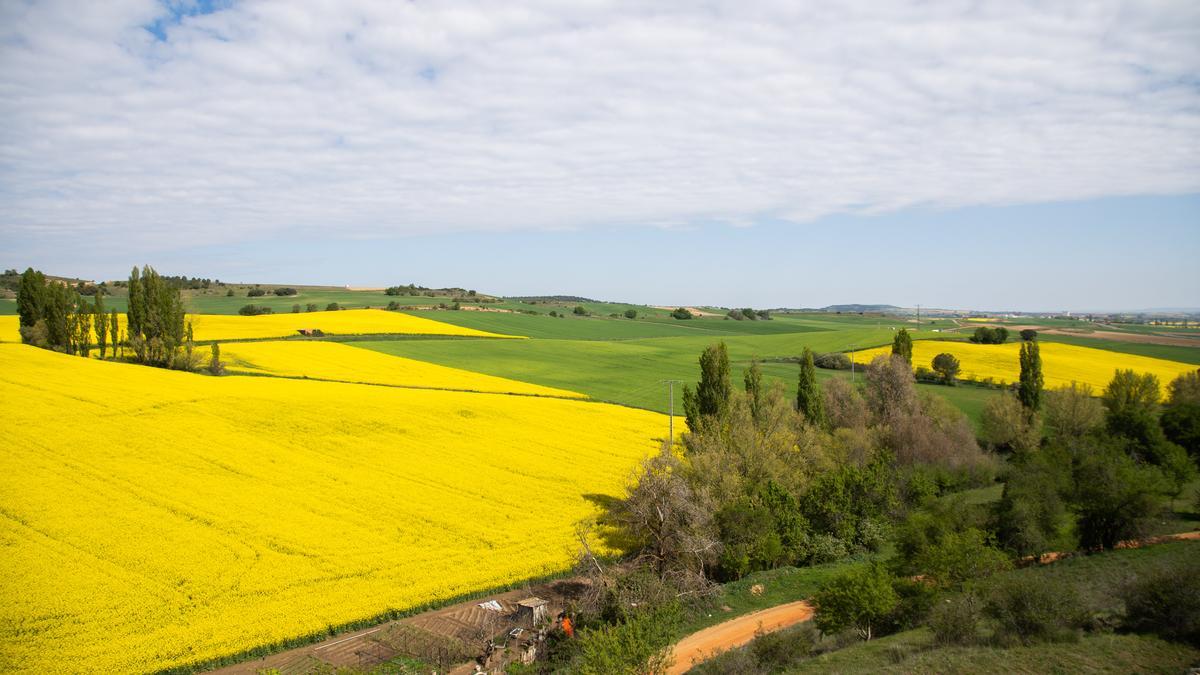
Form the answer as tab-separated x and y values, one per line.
1061	363
154	518
344	363
345	322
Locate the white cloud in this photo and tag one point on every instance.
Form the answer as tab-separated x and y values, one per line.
379	118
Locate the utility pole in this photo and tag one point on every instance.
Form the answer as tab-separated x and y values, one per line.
671	416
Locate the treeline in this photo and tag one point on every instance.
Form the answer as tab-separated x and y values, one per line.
54	316
763	481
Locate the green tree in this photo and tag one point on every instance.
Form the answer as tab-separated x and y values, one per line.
809	400
31	298
1114	497
114	326
215	367
902	345
1028	334
681	313
858	599
631	314
946	365
710	399
1029	389
101	318
754	389
136	311
580	310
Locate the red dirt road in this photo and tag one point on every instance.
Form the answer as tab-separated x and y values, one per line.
700	646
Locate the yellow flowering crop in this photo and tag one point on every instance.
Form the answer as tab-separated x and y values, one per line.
1061	363
346	322
333	361
153	518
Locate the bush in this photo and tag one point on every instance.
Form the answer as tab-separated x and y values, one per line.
861	599
735	315
255	293
832	361
229	293
636	645
682	314
580	310
1030	608
631	314
775	652
311	307
332	307
295	309
1166	602
255	310
282	292
955	621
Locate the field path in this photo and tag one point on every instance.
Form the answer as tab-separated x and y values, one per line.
702	645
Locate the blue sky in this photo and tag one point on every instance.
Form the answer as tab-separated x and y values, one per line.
769	154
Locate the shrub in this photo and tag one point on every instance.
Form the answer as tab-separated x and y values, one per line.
631	314
955	620
960	557
860	598
735	315
295	309
311	307
825	548
1030	608
580	310
229	293
282	292
682	314
332	307
255	293
832	361
255	310
775	652
749	314
553	313
1166	602
635	645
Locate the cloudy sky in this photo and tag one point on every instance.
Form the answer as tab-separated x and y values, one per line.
963	154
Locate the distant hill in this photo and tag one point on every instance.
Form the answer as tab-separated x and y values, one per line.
549	298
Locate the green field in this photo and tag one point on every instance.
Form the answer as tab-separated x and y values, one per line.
613	360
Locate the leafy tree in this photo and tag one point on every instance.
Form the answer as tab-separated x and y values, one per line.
156	327
902	345
681	313
255	293
311	307
113	328
1031	511
1029	389
636	645
990	336
754	390
136	312
858	599
332	307
749	314
580	310
1184	389
946	365
31	298
255	310
215	367
809	400
891	391
281	292
1028	334
710	399
631	314
1114	497
960	557
101	323
1071	412
1180	419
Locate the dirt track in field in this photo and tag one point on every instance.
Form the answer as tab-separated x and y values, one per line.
734	633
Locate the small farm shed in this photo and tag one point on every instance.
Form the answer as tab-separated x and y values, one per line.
532	611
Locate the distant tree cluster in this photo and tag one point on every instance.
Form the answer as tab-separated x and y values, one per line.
681	313
255	310
985	335
410	289
283	292
157	332
749	314
53	315
255	293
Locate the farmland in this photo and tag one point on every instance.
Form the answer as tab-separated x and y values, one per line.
182	518
1062	363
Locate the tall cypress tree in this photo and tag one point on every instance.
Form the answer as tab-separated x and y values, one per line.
101	323
136	312
31	297
114	327
711	396
1029	389
753	382
808	392
902	345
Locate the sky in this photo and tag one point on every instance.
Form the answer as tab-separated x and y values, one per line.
1006	155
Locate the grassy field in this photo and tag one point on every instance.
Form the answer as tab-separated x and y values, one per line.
184	518
1098	580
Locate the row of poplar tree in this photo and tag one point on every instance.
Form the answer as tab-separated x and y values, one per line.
55	316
